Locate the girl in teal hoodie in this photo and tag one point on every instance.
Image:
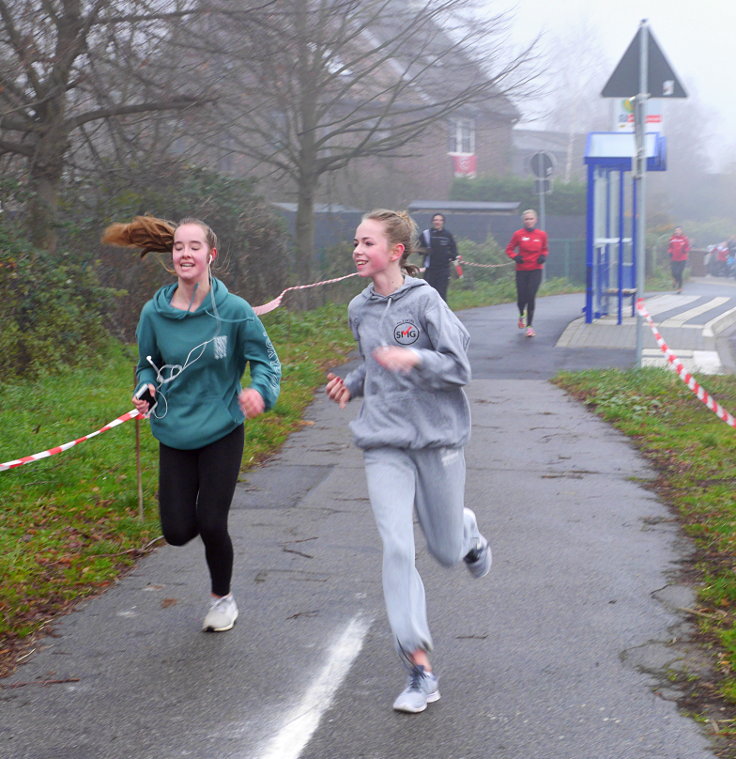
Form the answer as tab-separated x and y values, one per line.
195	339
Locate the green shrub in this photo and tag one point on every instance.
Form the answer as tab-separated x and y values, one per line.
567	198
254	262
493	263
51	310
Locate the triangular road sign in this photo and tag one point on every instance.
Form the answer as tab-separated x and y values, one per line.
661	79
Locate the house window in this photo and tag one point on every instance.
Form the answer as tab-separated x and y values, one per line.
462	136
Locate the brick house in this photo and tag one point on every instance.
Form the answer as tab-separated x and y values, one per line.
475	138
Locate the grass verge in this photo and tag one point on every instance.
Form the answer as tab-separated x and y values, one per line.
71	522
694	453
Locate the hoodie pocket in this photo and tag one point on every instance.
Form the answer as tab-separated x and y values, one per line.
414	418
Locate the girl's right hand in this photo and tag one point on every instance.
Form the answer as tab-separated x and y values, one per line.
336	390
141	406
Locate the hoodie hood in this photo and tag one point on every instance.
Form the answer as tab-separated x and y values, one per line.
409	283
162	301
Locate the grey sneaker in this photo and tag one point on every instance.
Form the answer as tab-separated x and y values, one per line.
478	559
421	689
222	614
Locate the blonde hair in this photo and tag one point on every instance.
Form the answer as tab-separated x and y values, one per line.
400	229
529	210
151	235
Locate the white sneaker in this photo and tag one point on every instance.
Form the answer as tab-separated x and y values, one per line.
479	559
422	689
222	614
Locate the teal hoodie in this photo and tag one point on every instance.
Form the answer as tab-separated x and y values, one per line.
196	363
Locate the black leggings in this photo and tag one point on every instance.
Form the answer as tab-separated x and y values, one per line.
527	284
678	267
439	279
195	490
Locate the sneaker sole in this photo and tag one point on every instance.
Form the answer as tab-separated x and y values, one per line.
211	629
431	698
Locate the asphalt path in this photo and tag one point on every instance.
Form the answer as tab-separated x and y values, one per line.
561	652
499	350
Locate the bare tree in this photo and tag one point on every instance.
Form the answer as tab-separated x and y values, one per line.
68	64
573	82
315	84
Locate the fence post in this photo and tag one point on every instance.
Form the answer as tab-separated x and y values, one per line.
138	473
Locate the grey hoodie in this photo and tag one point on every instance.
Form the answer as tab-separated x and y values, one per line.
425	408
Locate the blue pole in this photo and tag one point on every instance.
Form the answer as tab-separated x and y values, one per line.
589	227
621	200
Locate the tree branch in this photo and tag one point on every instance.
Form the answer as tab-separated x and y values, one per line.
17	148
175	104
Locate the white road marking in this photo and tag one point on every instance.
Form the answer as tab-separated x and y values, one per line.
684	316
694	361
659	304
720	323
303	720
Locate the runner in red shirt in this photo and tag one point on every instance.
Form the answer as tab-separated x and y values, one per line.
528	247
678	248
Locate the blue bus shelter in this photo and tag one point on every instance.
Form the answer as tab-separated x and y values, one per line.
611	224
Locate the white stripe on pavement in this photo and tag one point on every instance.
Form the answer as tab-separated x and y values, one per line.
660	304
720	323
684	316
303	720
694	361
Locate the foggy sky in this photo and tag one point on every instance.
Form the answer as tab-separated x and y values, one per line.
697	38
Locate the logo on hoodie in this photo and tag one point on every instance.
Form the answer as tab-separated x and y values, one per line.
406	333
220	346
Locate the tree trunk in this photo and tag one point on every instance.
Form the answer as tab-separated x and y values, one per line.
43	209
304	232
47	170
305	229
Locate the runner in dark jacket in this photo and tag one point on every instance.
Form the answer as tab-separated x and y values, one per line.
439	251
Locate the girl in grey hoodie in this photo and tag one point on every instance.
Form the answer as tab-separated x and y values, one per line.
412	427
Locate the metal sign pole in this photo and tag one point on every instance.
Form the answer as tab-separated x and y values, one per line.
542	164
542	219
640	117
655	77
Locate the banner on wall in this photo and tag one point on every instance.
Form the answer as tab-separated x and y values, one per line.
464	164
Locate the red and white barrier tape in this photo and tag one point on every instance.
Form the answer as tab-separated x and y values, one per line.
483	266
133	414
276	302
264	309
684	375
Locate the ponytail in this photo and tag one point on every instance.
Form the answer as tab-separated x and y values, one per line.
147	233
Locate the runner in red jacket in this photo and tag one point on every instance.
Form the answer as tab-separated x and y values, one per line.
678	248
528	247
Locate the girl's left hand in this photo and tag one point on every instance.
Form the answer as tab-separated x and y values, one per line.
396	359
251	402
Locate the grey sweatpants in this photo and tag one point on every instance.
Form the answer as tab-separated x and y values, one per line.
432	480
